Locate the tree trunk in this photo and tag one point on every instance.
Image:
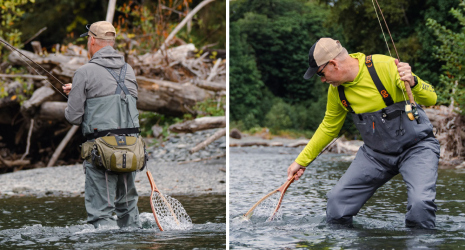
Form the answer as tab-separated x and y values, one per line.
199	124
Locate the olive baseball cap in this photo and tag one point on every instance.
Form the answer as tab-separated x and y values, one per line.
321	52
99	30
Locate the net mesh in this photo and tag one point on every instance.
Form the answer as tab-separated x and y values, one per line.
266	208
170	213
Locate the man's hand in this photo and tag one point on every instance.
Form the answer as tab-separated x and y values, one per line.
67	88
405	72
295	168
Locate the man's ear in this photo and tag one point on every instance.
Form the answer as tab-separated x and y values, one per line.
335	63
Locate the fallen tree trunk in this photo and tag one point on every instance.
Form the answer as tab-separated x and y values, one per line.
220	133
199	124
249	144
213	86
14	163
53	111
40	96
169	98
26	76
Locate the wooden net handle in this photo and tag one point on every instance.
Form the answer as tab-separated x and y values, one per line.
154	189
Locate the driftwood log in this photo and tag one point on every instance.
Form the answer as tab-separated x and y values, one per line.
171	82
199	124
169	98
218	134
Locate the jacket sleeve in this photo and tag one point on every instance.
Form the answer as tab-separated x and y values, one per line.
423	92
329	128
76	99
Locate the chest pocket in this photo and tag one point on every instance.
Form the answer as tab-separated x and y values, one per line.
388	130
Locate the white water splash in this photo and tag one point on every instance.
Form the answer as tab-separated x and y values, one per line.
170	213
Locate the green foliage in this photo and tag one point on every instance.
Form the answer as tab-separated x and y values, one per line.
451	51
65	20
148	119
211	107
280	33
10	13
406	20
269	43
208	26
278	117
147	22
246	93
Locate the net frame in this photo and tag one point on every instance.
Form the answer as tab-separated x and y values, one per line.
283	188
167	211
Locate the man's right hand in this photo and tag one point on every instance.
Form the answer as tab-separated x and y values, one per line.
67	88
293	169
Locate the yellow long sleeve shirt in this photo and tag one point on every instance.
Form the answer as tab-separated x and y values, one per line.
363	97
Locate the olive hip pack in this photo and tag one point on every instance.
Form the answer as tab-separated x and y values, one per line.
117	153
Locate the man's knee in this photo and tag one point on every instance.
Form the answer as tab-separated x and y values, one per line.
421	213
337	212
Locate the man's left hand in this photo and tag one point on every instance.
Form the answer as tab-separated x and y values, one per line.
405	72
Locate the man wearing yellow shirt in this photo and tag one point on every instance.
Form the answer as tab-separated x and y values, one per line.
371	88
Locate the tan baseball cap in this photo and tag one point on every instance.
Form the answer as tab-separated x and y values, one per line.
321	52
99	30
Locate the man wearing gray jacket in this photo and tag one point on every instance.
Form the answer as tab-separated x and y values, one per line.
102	99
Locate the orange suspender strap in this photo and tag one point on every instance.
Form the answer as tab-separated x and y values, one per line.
379	85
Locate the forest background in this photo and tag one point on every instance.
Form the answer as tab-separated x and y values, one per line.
270	40
142	27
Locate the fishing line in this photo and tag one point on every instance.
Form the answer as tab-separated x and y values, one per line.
13	49
384	35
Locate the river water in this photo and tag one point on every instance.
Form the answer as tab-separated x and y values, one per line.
254	172
59	223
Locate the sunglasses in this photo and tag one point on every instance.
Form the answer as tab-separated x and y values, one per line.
320	73
88	28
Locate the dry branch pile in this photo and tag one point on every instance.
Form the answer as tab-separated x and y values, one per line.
171	82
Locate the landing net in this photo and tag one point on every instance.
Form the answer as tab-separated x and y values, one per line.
170	213
267	207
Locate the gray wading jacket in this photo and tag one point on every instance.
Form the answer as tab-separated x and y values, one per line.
92	101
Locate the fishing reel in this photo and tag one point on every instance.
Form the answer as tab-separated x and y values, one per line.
412	112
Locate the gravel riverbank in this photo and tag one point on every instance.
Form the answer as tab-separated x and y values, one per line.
174	170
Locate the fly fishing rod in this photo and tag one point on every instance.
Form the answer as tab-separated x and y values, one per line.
410	110
282	189
12	48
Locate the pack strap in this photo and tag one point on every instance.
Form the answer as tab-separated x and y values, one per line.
379	85
108	190
119	131
125	177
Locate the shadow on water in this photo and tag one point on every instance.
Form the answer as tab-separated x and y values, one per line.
59	223
379	225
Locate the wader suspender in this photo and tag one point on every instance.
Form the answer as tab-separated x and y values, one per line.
120	85
379	85
120	79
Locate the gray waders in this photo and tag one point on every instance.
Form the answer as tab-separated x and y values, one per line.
109	192
393	144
